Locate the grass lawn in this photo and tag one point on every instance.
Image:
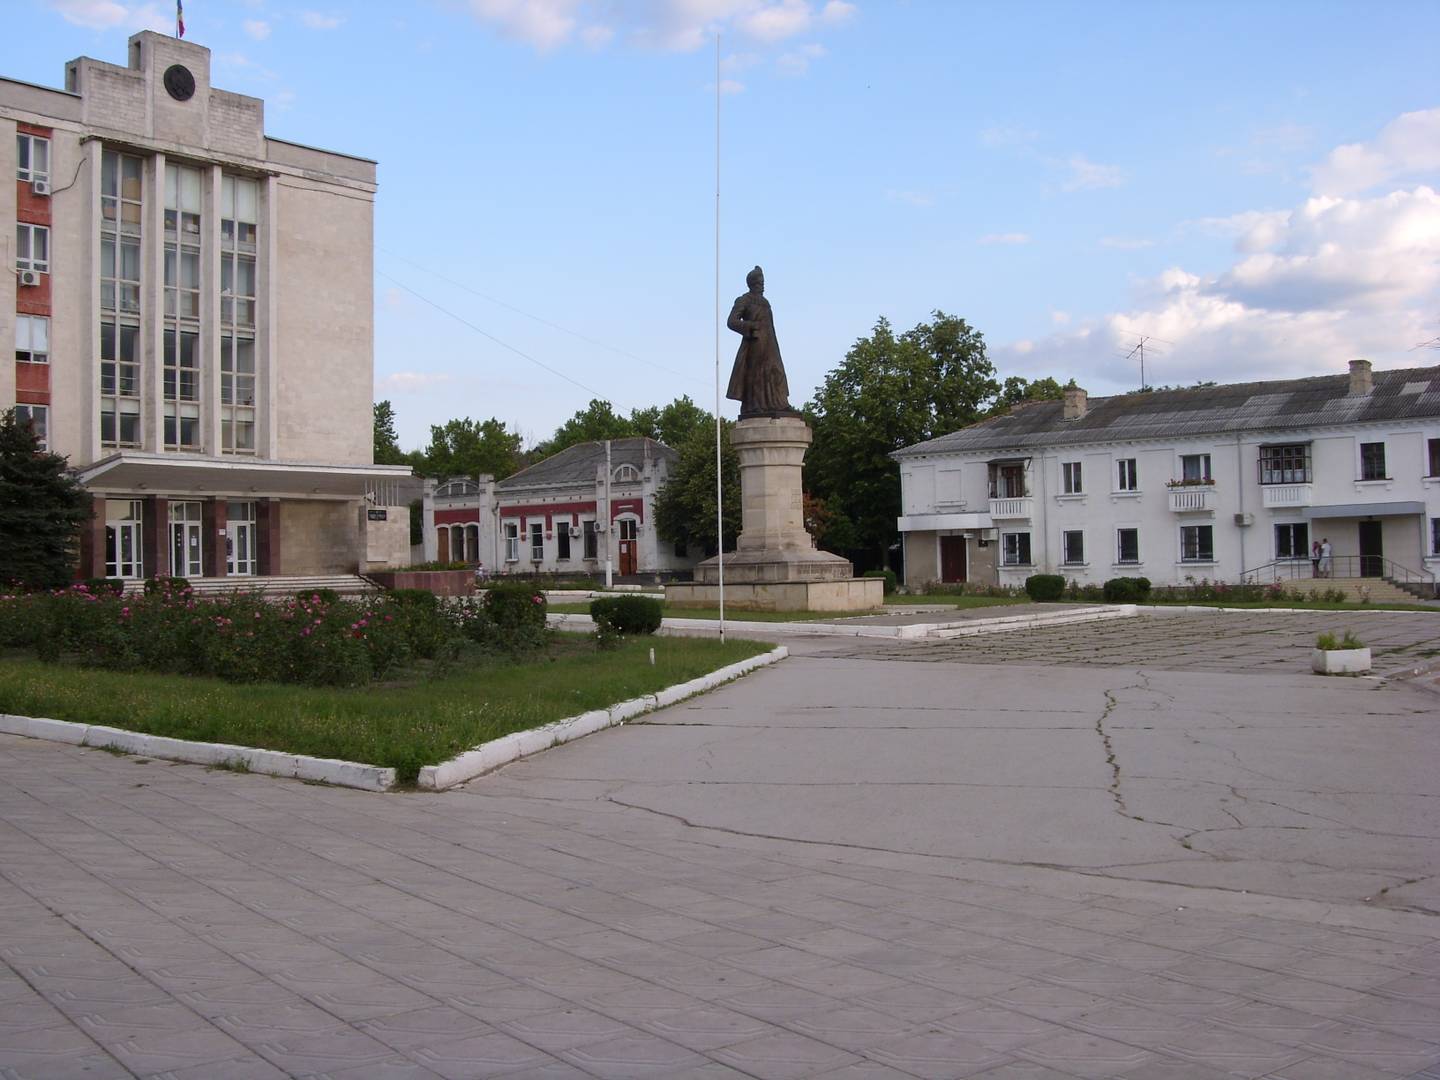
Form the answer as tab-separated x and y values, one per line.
404	725
957	601
732	614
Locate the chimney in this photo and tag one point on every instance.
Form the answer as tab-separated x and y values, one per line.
1075	399
1361	381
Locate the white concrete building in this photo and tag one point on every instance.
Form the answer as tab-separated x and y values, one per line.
191	306
563	515
1216	483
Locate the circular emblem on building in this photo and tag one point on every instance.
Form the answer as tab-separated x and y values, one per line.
179	83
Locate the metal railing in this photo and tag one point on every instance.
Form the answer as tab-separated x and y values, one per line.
1340	566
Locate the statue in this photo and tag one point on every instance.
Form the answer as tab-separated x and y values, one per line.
758	379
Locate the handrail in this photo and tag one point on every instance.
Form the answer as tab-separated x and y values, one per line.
1340	566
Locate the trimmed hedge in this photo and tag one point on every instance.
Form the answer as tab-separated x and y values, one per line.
891	581
165	585
1045	588
627	614
99	585
1127	590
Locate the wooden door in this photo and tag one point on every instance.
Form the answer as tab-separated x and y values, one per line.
1372	550
629	547
952	558
442	544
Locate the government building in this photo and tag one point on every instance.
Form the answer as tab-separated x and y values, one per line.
192	309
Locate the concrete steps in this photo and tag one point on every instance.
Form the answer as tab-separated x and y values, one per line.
1377	590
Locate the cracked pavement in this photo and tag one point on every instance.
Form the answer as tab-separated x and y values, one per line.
1157	848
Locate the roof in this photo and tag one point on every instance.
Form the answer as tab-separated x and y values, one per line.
1321	401
577	464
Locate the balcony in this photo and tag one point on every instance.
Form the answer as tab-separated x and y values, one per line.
1011	508
1284	496
1193	499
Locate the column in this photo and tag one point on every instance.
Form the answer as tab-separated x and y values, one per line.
267	536
92	541
154	536
212	537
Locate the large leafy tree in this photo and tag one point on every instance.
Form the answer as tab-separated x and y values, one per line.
685	506
594	423
1016	390
387	441
889	392
42	508
672	424
469	447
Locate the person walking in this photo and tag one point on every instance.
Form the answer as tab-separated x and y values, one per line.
1326	559
1315	559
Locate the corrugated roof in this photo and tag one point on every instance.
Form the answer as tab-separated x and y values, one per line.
577	464
1321	401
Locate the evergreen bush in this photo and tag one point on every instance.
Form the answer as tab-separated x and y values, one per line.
1127	590
891	581
1045	588
627	614
42	508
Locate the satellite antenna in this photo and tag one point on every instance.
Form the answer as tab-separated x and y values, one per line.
1143	344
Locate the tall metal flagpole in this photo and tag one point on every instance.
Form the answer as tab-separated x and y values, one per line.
719	469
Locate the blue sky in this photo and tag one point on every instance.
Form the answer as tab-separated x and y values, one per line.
1253	184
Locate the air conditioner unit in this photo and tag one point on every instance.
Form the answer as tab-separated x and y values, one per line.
39	187
1244	519
601	527
575	531
29	277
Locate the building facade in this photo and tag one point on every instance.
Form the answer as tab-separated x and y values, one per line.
1222	483
192	312
567	514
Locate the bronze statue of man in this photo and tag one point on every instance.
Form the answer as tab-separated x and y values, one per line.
758	379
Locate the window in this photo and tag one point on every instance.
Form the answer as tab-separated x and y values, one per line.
1195	468
1434	447
1435	536
1197	543
33	156
32	339
32	247
626	474
1288	464
1292	541
119	383
182	390
183	187
537	541
38	417
239	212
512	541
592	540
562	540
1372	461
1072	547
1015	549
237	394
121	188
1127	476
1007	480
1070	477
1127	545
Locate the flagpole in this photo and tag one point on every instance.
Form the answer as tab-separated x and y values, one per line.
719	458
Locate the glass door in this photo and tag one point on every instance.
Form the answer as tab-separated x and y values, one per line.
240	539
122	538
186	553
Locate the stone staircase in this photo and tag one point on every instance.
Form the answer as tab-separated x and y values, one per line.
343	584
1377	590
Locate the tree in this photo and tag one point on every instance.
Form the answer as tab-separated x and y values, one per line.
42	507
468	448
685	506
594	423
890	392
387	442
1016	389
672	424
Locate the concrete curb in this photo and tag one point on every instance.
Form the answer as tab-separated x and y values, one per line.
270	762
487	757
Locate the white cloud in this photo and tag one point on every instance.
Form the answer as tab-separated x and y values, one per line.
409	382
258	29
316	20
837	11
597	37
797	61
1126	243
730	86
111	15
1407	146
1086	175
1005	238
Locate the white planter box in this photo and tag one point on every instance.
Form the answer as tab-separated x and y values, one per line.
1340	661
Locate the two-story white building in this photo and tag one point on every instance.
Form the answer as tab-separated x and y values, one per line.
1219	482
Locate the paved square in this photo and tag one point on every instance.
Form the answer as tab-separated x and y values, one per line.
1154	848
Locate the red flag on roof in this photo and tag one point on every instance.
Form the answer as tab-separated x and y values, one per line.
179	18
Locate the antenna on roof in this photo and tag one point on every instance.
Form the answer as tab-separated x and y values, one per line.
1141	346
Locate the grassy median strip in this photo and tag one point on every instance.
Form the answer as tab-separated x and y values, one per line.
401	725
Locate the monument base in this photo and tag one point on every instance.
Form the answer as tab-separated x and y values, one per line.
844	594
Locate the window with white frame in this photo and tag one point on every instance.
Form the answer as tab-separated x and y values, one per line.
121	225
1072	546
1127	476
1197	543
1435	536
1070	478
182	390
1195	468
32	156
32	247
1287	463
592	540
183	201
239	213
32	339
38	417
626	474
562	541
119	383
1372	461
1292	540
1433	449
1127	546
1015	549
512	541
537	541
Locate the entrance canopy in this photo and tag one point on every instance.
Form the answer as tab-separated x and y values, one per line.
1363	510
139	473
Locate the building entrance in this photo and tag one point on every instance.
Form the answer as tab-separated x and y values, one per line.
186	553
952	559
240	539
629	547
1372	550
123	520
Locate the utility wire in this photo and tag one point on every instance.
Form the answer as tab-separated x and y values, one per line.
486	334
536	318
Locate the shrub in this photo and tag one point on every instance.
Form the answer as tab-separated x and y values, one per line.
1045	588
412	597
99	585
627	614
509	618
1127	590
891	581
1349	641
325	596
165	584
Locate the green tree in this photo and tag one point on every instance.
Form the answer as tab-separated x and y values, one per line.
890	392
468	448
685	506
387	442
42	508
1016	389
594	423
672	424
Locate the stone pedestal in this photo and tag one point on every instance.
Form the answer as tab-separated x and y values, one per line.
776	566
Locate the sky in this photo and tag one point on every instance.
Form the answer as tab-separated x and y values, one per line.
1255	188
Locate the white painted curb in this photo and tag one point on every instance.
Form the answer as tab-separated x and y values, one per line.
271	762
489	756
